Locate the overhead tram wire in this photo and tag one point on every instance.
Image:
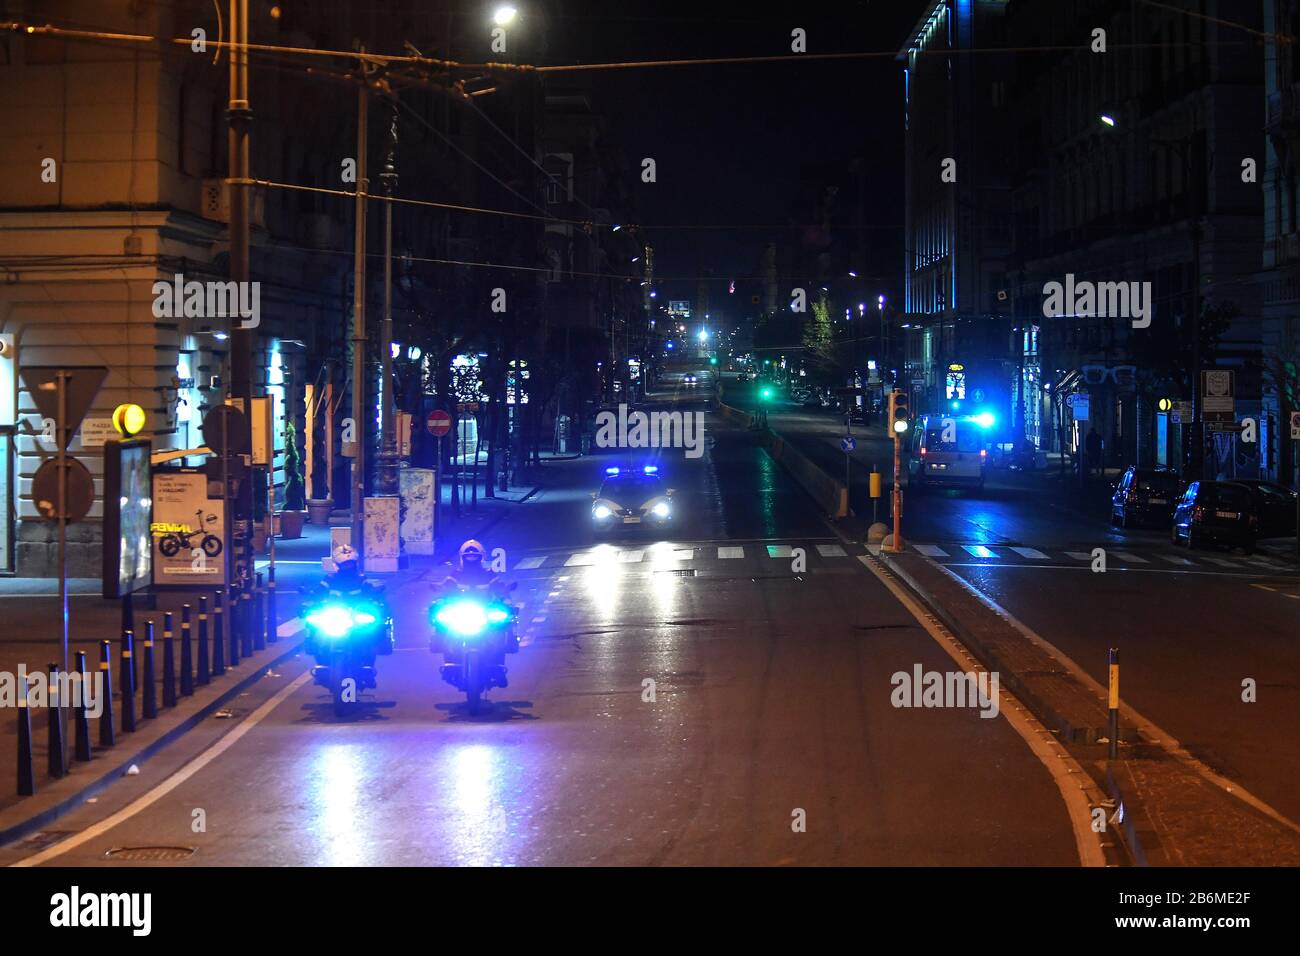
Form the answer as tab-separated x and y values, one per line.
386	59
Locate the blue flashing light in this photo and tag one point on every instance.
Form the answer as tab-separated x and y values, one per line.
612	471
651	469
984	419
465	617
332	621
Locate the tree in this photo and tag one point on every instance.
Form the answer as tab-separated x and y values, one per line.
294	499
818	344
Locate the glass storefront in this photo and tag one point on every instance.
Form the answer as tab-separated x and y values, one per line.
8	499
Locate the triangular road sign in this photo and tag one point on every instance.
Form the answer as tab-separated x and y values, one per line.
81	385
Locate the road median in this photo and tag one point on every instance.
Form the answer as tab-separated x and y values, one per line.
830	494
1170	809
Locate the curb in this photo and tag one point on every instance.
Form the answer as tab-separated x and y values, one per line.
44	817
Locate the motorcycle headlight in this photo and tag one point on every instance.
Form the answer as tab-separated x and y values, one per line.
333	621
661	510
466	618
600	512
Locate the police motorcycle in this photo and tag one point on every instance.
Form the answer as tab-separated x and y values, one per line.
474	627
348	624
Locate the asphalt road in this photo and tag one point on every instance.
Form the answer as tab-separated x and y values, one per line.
1192	627
771	649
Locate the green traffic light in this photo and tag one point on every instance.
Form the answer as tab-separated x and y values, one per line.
767	393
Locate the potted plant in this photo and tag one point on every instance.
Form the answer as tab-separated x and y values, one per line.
293	515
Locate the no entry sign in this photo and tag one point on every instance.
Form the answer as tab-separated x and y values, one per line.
438	423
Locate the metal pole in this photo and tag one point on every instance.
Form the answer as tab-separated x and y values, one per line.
897	497
239	116
1113	702
359	329
63	438
388	481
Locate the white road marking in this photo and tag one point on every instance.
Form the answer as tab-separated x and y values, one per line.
527	564
778	551
831	551
172	782
580	559
1030	553
978	551
931	550
726	553
630	557
1129	556
1079	555
1221	562
1175	559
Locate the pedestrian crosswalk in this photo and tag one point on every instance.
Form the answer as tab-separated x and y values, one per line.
676	555
744	557
1025	556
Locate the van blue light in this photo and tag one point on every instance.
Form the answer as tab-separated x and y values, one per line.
984	419
611	471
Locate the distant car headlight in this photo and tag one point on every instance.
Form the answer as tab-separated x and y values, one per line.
600	512
661	510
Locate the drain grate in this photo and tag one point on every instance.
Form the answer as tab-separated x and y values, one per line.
44	838
151	854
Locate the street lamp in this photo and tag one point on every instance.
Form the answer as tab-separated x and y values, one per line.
504	15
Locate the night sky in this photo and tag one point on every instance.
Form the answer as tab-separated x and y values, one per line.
734	142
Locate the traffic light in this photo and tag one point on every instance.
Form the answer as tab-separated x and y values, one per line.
766	392
898	412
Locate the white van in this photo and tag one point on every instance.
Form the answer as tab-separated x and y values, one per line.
948	449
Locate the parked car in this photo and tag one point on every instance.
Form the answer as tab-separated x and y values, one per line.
1216	512
1275	504
1145	496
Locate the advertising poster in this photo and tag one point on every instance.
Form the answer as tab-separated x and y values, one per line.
128	512
189	530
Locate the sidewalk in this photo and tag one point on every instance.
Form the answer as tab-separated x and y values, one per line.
31	636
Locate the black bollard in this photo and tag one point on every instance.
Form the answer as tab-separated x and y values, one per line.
218	635
58	753
187	654
245	622
169	663
125	665
149	689
26	767
259	614
80	717
106	734
232	624
272	618
128	683
203	676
